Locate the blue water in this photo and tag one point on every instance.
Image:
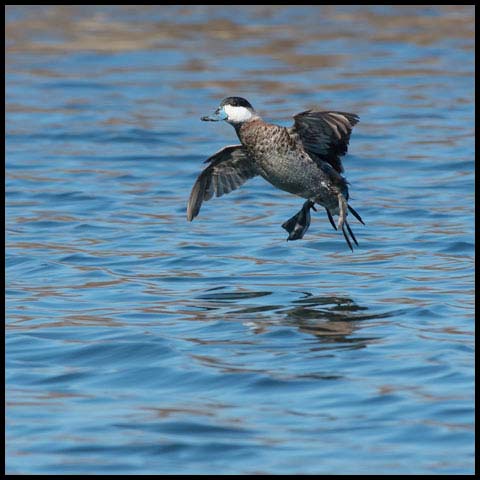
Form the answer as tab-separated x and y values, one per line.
140	343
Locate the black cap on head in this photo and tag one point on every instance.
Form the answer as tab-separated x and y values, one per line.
236	102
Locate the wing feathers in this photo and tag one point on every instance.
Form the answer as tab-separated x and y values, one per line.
200	192
228	169
325	135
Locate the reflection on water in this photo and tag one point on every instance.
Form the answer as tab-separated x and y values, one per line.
331	319
140	343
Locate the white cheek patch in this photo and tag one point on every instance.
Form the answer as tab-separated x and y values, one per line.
237	114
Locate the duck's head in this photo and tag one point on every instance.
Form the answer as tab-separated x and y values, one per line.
234	110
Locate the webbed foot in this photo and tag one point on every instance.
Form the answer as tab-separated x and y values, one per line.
298	225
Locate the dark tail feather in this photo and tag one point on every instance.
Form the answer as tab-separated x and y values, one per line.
356	214
351	233
346	238
331	218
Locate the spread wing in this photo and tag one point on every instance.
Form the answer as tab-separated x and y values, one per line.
228	169
325	135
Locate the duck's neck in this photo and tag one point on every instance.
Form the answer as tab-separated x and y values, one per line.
249	131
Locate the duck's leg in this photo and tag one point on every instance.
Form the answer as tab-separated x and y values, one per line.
342	220
330	218
342	210
298	225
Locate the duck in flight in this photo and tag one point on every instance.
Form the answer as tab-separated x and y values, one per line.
303	159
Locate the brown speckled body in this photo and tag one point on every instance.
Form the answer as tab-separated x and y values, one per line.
281	160
304	159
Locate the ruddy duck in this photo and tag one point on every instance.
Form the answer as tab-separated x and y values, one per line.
303	159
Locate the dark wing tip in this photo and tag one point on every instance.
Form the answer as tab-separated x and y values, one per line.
197	195
228	169
190	214
353	118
